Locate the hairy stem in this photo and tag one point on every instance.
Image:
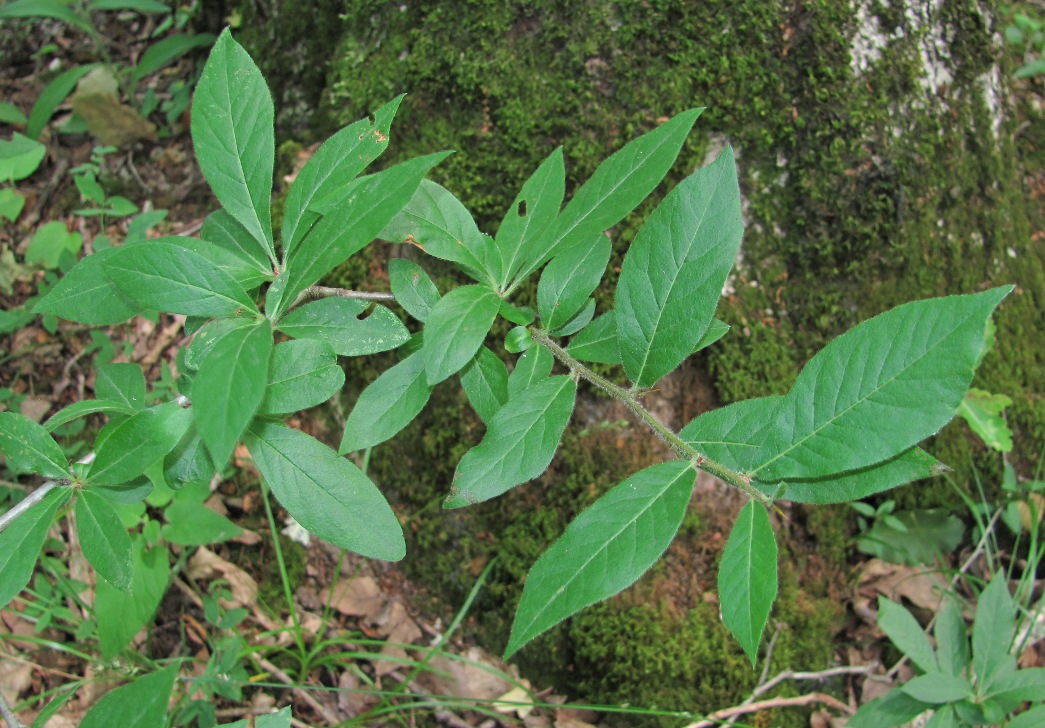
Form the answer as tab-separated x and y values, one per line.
314	292
628	398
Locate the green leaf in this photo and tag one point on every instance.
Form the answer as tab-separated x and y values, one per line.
485	382
230	387
233	133
86	295
123	383
569	279
914	464
412	287
913	537
673	273
879	389
352	224
83	408
580	319
903	630
121	617
138	442
387	405
983	411
141	6
747	577
44	716
937	688
531	214
945	717
519	444
456	328
993	630
22	541
1033	718
247	274
1025	684
518	340
732	435
188	463
11	114
139	704
274	720
163	275
892	709
53	95
615	189
207	336
336	321
193	524
598	341
53	245
437	223
104	539
715	331
19	157
226	232
29	447
302	374
518	315
336	163
952	642
605	550
163	52
530	369
55	9
11	203
325	493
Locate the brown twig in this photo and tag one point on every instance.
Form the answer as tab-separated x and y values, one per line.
283	677
801	701
9	717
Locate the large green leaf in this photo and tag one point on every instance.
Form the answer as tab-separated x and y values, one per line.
732	435
120	617
485	382
938	687
226	232
412	287
914	464
302	374
87	295
83	408
55	9
354	220
673	273
531	214
162	275
21	542
336	322
892	709
983	411
993	631
53	95
189	462
436	222
104	539
245	271
167	50
19	157
388	405
234	137
952	642
138	442
336	163
598	341
903	630
615	189
193	524
605	549
532	367
326	493
747	577
29	447
141	703
123	383
518	446
569	279
878	389
230	386
456	328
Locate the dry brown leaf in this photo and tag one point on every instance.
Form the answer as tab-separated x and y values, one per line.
35	408
352	699
896	581
517	700
205	564
396	626
357	597
14	678
465	680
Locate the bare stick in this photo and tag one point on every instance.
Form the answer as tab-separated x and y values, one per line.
801	701
283	677
326	292
9	717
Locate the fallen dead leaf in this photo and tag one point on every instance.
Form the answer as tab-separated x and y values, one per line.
396	626
357	597
897	582
205	564
478	678
517	700
14	678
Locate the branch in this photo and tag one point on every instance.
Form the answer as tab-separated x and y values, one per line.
314	292
802	700
9	717
684	449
